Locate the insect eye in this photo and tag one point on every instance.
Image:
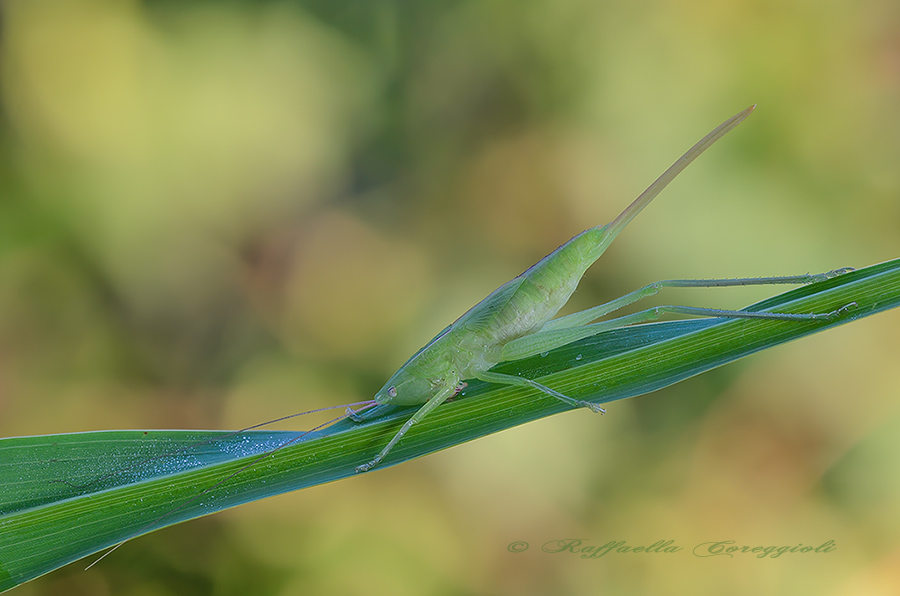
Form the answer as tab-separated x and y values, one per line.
392	391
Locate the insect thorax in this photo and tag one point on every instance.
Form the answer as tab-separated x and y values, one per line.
430	372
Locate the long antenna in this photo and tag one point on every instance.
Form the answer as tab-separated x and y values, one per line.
366	405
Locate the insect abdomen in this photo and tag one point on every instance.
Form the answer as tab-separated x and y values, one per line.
546	286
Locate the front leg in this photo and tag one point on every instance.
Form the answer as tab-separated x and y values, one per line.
420	413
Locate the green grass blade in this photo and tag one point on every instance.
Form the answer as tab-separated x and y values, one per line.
63	497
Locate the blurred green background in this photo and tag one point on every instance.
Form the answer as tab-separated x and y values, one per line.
217	213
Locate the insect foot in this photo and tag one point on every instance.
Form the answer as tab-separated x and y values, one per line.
837	272
592	407
841	310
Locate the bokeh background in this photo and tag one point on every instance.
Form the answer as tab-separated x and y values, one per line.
217	213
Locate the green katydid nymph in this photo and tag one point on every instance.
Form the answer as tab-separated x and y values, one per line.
516	320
